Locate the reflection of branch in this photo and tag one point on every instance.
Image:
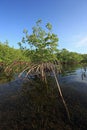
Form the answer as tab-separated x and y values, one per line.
85	69
83	75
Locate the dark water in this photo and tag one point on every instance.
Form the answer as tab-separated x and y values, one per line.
74	82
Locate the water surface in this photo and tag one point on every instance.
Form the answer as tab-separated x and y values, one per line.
75	77
72	76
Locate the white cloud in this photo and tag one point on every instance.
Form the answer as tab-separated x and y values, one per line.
75	43
81	42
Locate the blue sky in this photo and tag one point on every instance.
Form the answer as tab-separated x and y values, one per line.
68	17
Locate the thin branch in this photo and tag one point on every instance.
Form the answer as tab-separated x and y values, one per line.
58	86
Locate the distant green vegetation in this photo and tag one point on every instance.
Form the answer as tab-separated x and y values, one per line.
67	57
9	54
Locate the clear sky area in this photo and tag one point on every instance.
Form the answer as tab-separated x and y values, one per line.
68	18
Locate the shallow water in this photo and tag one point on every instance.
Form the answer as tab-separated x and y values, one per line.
76	79
76	75
72	76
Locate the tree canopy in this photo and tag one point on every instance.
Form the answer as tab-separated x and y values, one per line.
42	43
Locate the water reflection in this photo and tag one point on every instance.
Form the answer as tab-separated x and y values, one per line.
83	70
74	73
69	69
